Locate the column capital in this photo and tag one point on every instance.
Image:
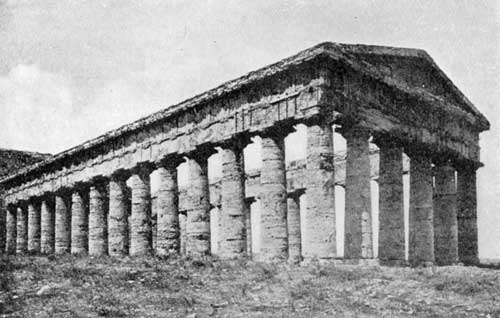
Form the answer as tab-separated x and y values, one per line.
238	142
120	175
386	141
467	165
143	168
296	194
169	162
201	153
354	130
277	131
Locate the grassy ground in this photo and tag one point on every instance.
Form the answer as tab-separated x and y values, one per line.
104	287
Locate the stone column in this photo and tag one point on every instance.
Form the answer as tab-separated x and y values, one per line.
47	225
182	226
79	222
98	243
319	227
358	224
3	232
445	215
140	243
11	229
62	224
232	232
118	215
391	248
273	224
294	229
421	244
198	213
467	215
33	227
22	229
167	214
248	224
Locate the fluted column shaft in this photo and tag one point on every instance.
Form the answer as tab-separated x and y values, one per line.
273	224
358	223
33	227
421	244
248	225
319	227
47	227
232	232
79	223
140	243
118	217
294	230
467	215
168	229
198	213
182	226
22	230
445	216
3	230
98	244
391	248
11	229
62	224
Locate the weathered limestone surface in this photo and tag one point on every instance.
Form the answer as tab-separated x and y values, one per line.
319	227
118	217
467	215
445	215
11	228
33	227
391	248
421	244
358	224
248	225
47	225
98	243
294	231
79	223
273	224
182	226
232	232
140	240
62	225
198	213
22	230
167	214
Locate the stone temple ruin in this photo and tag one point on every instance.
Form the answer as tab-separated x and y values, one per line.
95	198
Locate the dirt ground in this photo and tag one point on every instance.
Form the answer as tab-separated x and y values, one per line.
69	286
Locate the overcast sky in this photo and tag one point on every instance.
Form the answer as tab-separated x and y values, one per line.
71	70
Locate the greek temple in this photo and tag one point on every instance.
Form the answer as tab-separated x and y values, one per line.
399	114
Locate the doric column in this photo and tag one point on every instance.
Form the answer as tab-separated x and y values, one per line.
167	214
140	243
248	224
273	224
98	236
319	227
198	213
3	231
294	230
182	226
232	232
62	224
11	229
79	221
34	227
118	215
467	214
22	229
445	215
47	225
358	224
421	244
391	246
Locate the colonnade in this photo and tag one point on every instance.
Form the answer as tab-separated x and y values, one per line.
105	216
